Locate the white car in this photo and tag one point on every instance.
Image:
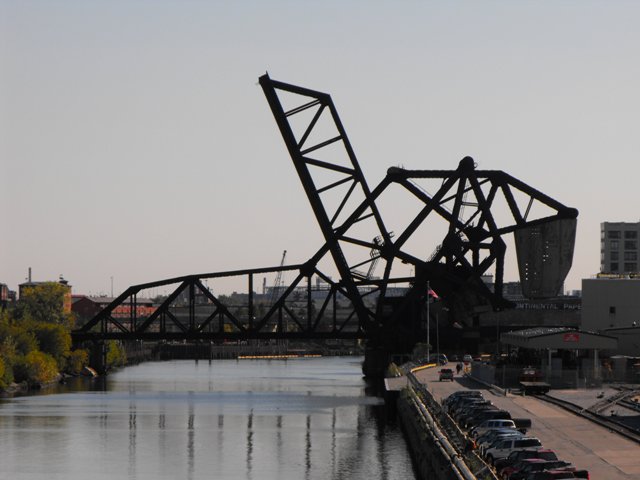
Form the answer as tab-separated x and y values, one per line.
491	425
503	448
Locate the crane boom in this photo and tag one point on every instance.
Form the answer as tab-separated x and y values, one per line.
277	285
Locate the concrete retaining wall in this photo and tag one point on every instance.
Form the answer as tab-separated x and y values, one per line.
430	462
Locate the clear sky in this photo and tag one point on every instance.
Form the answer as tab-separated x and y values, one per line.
136	144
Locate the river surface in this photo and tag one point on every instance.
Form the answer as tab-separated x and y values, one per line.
310	418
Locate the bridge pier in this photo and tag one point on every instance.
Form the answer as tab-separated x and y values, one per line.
98	356
378	357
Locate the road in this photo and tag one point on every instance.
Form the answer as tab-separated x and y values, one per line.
607	455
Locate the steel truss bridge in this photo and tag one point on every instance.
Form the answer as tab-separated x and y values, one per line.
474	211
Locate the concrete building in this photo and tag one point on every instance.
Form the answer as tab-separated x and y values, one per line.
86	308
610	303
619	248
612	306
4	295
30	284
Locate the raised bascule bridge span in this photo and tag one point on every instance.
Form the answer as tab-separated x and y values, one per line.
472	211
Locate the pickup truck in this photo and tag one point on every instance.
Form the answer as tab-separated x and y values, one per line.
531	381
518	455
524	469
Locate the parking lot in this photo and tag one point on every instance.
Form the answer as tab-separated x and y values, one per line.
605	454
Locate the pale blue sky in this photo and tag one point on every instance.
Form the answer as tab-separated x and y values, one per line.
135	143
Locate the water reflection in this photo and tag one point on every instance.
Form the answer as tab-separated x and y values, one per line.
227	420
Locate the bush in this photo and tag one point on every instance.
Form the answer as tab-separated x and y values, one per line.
116	355
77	360
39	368
2	373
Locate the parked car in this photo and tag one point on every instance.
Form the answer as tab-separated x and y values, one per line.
503	448
446	374
491	425
487	415
552	475
466	403
489	442
458	396
518	455
467	358
464	414
461	394
524	468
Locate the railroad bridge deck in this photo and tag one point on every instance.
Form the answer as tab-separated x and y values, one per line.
605	454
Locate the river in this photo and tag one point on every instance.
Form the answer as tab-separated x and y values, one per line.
308	418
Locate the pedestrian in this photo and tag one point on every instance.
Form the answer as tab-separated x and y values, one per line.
458	367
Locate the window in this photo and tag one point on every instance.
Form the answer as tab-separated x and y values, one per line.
630	267
629	256
630	245
630	234
614	267
615	256
614	233
614	245
612	310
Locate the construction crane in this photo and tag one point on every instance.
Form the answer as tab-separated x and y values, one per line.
277	285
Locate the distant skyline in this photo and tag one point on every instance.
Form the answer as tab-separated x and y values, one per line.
136	144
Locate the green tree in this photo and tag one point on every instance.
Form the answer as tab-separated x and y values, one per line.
77	360
45	303
36	368
116	355
3	369
54	340
21	339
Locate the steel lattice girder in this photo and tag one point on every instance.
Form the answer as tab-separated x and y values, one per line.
449	269
342	201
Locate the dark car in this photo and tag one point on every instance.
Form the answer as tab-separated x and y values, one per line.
446	374
458	396
551	475
465	403
463	415
487	415
518	455
525	468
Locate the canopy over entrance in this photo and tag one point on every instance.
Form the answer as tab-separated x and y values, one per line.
559	338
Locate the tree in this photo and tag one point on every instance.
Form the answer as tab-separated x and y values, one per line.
3	370
45	303
54	340
116	355
36	368
77	360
